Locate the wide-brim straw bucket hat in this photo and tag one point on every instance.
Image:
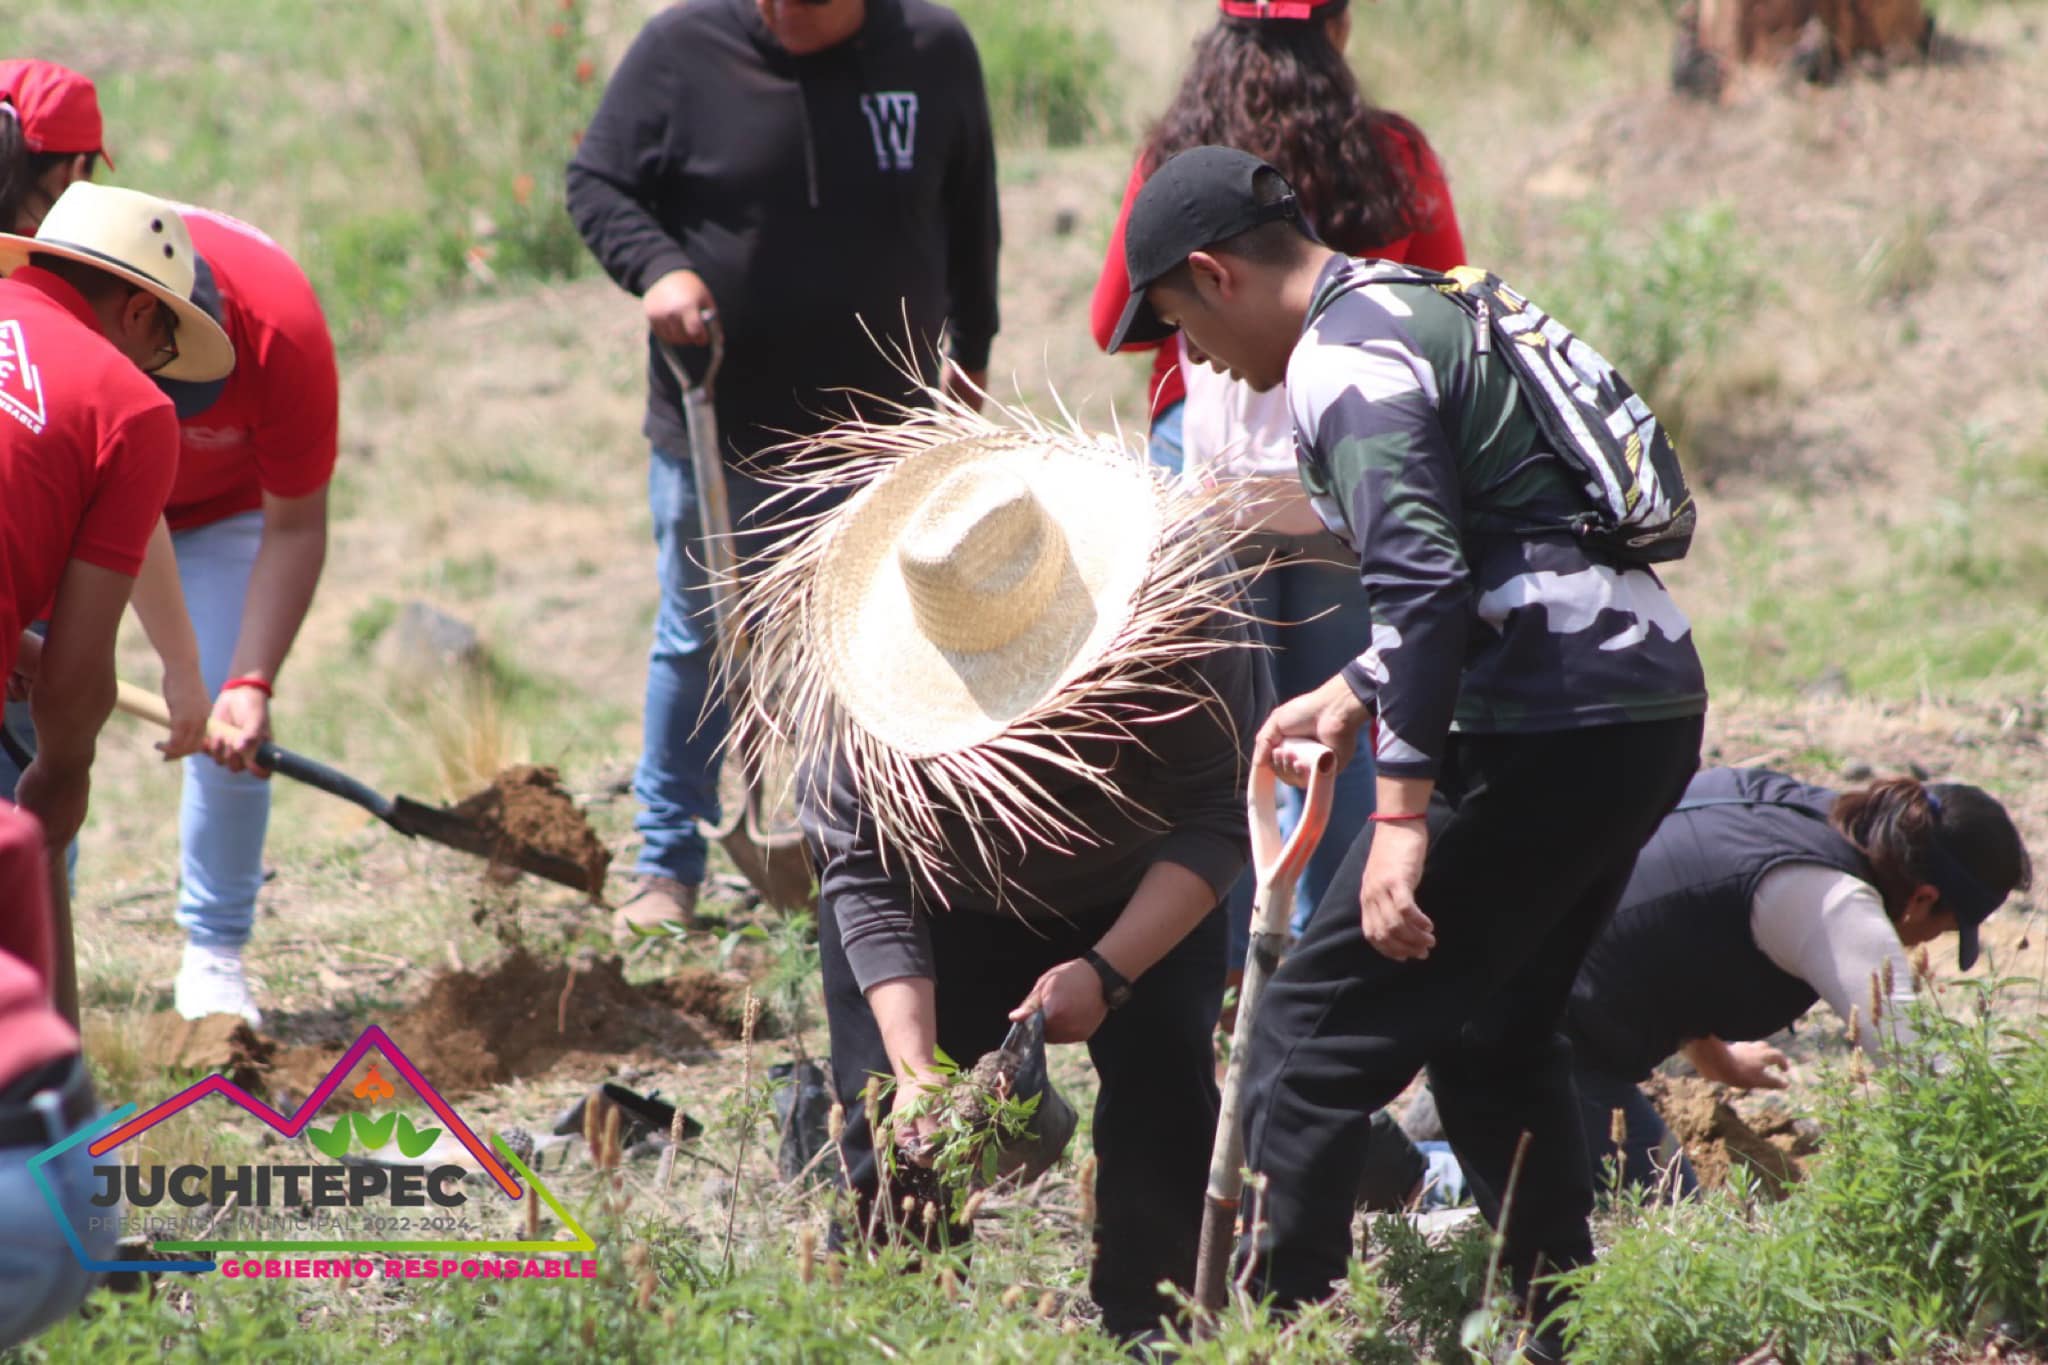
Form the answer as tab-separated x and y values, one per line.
989	593
141	239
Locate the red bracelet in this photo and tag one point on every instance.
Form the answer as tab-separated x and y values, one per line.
1378	818
247	680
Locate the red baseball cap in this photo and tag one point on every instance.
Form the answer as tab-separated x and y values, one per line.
1279	9
58	108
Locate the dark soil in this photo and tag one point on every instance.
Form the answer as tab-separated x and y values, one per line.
476	1029
715	999
526	807
220	1042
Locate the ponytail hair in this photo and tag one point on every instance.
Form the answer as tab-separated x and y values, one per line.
1916	835
17	175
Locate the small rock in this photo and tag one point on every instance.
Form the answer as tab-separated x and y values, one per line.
425	641
1064	222
1832	684
1858	771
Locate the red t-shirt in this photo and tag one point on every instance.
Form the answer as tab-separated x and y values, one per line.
88	448
275	427
32	1034
1436	244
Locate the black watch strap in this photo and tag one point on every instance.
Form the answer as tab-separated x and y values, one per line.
1116	987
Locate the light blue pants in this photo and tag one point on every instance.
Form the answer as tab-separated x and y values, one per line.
223	816
684	724
41	1279
1324	625
1164	447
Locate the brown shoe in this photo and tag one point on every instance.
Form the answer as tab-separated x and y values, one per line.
659	901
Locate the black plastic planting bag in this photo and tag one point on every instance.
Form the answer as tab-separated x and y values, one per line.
1021	1064
803	1114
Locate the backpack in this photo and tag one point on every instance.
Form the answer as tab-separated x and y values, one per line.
1639	510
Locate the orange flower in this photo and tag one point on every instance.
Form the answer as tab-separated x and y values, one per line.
522	189
558	31
585	69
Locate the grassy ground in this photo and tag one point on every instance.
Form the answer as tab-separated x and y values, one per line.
1822	283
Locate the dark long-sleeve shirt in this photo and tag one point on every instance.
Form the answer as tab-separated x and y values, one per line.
821	198
1406	433
1188	771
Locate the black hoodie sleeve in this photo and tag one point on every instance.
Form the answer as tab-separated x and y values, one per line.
975	227
613	177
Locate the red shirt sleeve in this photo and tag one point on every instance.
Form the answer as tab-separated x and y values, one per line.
131	482
1113	285
1436	243
298	435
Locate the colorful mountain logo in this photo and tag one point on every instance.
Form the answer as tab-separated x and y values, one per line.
496	1160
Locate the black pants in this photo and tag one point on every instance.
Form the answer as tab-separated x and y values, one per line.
1647	1151
1155	1110
1532	840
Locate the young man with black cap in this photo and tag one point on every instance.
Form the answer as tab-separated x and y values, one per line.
817	177
1534	709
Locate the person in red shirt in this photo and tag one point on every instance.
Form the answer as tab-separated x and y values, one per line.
1271	79
50	137
248	523
45	1096
87	455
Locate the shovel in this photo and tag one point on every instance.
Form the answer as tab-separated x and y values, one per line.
771	857
1275	868
409	817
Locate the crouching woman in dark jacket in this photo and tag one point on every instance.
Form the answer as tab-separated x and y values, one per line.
1757	897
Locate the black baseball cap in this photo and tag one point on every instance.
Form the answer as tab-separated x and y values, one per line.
1201	197
1975	860
194	396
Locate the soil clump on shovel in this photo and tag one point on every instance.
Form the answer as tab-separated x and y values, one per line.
525	807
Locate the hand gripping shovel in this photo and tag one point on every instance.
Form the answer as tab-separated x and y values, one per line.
409	817
1275	866
770	857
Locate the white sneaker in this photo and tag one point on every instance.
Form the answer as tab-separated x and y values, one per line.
211	981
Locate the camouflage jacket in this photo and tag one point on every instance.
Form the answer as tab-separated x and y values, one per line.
1404	432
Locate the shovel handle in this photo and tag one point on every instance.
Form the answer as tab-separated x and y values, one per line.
147	705
1276	865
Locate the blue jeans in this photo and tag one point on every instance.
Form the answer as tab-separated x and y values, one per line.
222	816
1164	447
1324	626
41	1279
684	725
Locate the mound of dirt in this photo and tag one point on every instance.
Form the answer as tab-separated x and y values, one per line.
219	1042
717	999
526	807
1716	1137
476	1029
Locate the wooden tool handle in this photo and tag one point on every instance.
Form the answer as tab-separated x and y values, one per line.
142	704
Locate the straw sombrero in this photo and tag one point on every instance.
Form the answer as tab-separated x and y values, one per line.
989	594
138	238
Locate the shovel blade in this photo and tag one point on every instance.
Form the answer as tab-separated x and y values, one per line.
444	827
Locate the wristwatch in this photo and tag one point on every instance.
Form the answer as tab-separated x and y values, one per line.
1116	987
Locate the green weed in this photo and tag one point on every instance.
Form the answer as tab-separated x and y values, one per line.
1048	76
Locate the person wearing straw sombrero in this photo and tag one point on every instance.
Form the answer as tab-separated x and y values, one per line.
88	450
1531	691
1015	670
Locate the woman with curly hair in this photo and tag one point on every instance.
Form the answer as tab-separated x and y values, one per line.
1271	79
1757	897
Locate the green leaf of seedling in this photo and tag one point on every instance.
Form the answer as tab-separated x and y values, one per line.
333	1141
413	1141
374	1133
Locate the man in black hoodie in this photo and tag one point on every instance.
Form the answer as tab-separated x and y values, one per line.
819	177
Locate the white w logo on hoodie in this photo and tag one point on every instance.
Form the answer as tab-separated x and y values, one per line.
892	118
